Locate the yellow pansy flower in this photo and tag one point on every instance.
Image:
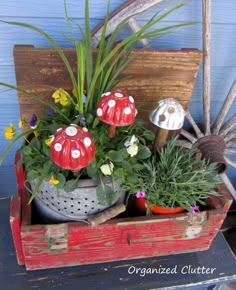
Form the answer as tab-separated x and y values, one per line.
49	141
53	180
107	169
62	97
9	132
21	123
132	150
36	133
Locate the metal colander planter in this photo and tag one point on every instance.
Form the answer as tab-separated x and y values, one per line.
80	204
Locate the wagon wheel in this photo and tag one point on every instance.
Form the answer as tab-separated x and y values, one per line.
220	132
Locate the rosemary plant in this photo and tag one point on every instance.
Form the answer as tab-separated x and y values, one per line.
174	177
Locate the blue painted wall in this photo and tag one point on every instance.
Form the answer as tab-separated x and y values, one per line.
49	15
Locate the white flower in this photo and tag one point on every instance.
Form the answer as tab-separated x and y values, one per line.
107	169
130	142
132	150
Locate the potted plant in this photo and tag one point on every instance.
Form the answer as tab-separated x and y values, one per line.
173	180
79	114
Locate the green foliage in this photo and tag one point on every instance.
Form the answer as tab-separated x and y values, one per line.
95	75
174	177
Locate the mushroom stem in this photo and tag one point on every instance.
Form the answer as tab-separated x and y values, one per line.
76	172
160	138
112	131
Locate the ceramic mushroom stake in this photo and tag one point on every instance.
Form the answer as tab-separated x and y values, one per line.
72	148
169	115
116	108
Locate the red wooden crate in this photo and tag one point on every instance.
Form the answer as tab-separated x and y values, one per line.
41	246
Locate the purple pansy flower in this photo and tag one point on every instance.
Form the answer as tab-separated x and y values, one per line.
82	120
140	194
51	112
32	121
194	208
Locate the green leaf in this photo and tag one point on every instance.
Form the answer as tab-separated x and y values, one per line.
62	180
26	151
104	139
138	167
115	156
143	153
45	171
149	135
71	185
35	143
32	175
105	194
92	169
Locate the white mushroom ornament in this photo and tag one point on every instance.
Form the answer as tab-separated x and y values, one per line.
168	115
116	108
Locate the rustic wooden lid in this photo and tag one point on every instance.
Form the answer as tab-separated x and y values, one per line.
153	75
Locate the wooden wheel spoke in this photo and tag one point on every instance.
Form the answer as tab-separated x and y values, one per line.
225	108
188	135
184	144
231	143
206	4
228	126
230	136
228	184
230	150
135	27
230	162
193	124
120	14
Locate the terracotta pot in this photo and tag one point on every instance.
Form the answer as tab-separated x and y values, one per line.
140	204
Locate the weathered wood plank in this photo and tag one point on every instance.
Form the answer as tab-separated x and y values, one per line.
154	75
119	242
15	222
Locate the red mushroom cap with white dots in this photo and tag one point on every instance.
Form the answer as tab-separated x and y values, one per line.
116	108
72	148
